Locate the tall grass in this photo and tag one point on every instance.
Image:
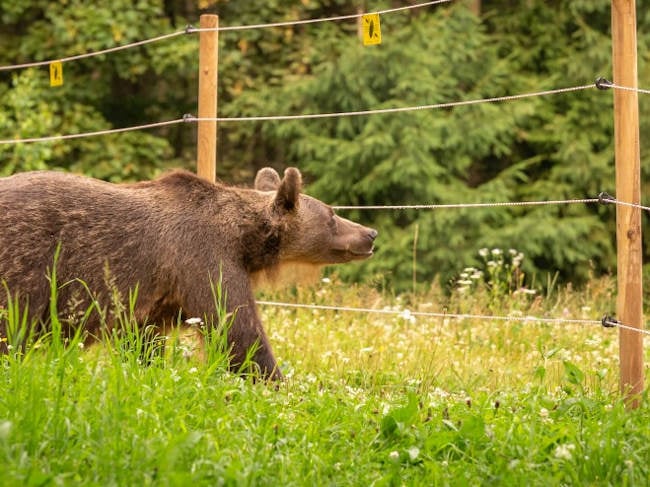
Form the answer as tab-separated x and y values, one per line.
370	399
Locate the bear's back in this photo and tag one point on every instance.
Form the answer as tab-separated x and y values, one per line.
53	191
124	234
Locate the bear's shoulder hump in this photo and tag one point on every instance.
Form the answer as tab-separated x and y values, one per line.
183	180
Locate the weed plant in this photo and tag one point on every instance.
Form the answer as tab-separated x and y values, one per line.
369	399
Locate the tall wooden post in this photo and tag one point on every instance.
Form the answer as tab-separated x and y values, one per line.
361	9
628	189
206	151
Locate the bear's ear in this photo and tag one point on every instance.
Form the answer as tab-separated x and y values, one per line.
289	191
267	179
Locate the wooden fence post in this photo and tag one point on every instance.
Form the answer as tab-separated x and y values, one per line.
628	189
206	150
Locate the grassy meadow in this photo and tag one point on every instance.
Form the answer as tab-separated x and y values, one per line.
370	399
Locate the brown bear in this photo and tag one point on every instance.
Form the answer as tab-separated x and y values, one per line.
172	237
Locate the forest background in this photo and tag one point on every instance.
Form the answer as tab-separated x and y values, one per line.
540	148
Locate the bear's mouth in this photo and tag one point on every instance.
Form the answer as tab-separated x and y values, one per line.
359	255
352	251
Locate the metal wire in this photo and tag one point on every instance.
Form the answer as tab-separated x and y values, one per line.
397	109
467	205
52	138
313	21
93	53
462	316
632	205
191	118
612	201
609	84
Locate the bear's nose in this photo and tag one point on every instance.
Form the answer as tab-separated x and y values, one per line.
372	234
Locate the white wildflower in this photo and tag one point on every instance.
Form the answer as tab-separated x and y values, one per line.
5	429
413	452
174	375
563	452
407	316
525	290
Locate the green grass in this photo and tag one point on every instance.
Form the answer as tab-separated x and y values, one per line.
370	399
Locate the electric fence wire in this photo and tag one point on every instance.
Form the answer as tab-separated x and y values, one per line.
93	53
313	21
192	118
191	30
604	84
466	205
603	198
452	104
632	205
406	314
53	138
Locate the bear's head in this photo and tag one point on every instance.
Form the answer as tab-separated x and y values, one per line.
313	233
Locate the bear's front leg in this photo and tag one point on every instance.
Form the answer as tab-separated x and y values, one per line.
246	337
246	334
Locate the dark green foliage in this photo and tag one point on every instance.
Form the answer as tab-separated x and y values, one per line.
130	87
551	147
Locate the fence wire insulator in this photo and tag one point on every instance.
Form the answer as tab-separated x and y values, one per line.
188	117
603	83
189	29
605	198
609	322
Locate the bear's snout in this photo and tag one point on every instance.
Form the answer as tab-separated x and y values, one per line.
363	246
371	235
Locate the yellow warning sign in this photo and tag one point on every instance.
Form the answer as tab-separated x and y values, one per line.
56	73
371	29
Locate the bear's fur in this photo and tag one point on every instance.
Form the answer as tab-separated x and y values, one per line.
171	238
